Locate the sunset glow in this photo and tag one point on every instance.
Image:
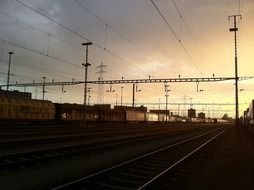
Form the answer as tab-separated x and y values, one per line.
134	42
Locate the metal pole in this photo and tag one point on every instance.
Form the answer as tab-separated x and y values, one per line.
121	95
116	98
43	88
235	29
8	75
133	95
166	106
86	64
89	91
166	95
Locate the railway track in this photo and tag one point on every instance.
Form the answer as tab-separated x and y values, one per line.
12	161
146	171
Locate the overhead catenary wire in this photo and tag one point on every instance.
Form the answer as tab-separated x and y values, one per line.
190	34
107	25
52	36
37	52
78	34
41	53
176	37
42	31
188	30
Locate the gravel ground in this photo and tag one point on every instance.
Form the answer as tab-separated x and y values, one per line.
229	166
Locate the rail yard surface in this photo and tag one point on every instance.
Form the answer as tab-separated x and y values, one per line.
131	156
231	164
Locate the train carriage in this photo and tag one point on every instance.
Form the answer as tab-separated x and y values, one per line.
248	117
74	112
111	115
136	116
21	109
151	117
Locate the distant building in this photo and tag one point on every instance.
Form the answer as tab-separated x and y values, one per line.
191	113
201	115
141	108
103	106
16	94
160	111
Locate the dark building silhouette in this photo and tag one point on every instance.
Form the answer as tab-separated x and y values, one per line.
191	113
141	108
160	111
102	106
16	94
201	115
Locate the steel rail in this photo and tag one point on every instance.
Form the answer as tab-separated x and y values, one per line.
179	161
68	185
13	160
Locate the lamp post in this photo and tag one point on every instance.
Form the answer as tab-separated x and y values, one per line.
8	75
86	65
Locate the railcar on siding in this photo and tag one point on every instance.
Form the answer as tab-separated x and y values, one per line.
22	109
151	117
74	112
135	116
111	115
248	117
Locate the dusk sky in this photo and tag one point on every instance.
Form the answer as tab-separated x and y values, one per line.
134	42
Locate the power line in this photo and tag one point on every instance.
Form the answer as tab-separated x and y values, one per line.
176	37
46	33
189	32
106	24
187	27
37	52
77	34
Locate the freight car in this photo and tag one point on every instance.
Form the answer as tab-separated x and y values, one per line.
248	117
25	109
111	115
135	116
151	117
74	112
18	107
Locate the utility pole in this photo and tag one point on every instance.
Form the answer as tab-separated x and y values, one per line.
235	29
121	95
43	88
133	95
191	103
86	65
166	95
134	89
8	75
89	95
100	72
116	98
